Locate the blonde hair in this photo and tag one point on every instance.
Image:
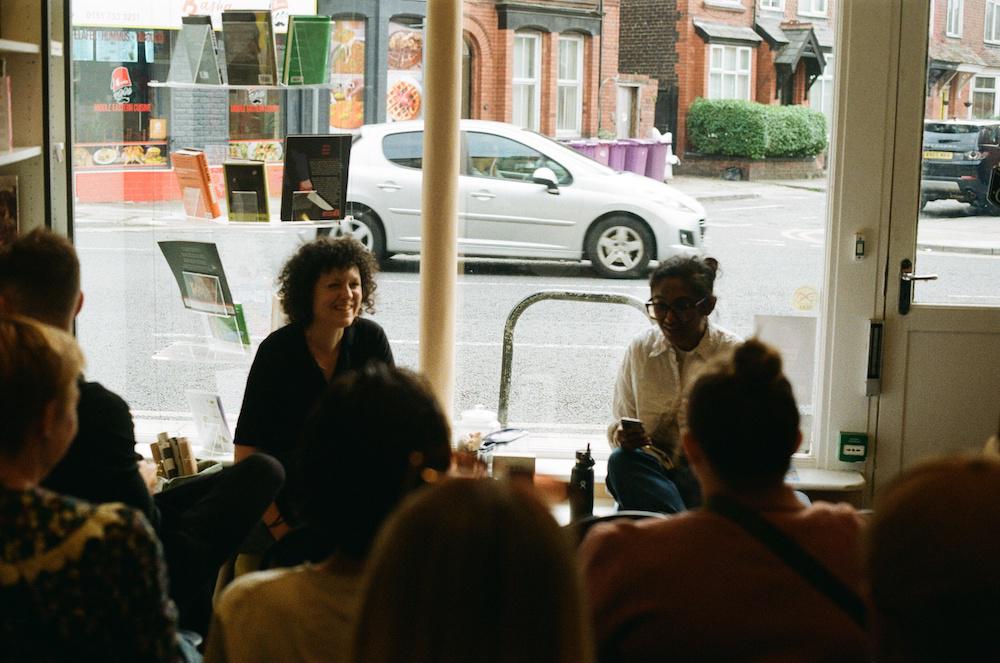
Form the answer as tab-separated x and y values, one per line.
38	365
472	570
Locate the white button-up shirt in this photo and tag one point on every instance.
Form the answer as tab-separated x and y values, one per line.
654	378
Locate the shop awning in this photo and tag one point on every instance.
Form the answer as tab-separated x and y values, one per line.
732	33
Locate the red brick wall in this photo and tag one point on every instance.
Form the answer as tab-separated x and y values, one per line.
479	27
609	66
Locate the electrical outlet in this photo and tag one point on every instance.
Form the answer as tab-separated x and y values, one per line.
853	447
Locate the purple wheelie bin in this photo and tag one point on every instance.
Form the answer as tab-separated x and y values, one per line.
616	154
636	153
583	147
601	152
656	161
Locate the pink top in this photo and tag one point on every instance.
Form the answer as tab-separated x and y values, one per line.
697	586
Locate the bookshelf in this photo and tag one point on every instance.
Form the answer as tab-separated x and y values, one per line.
31	44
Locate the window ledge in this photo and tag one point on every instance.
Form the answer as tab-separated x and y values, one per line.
728	5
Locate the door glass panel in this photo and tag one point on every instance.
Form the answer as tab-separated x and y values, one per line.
958	228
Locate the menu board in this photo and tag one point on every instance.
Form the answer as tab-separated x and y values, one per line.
347	75
404	97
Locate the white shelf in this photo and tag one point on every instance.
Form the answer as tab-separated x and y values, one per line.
19	154
226	86
11	46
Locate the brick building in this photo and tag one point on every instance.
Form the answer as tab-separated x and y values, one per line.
552	66
963	71
770	51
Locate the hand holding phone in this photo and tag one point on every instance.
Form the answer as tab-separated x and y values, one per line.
631	433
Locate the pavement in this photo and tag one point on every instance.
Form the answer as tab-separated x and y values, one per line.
945	226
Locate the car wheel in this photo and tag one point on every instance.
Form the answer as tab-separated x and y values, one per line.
365	226
620	247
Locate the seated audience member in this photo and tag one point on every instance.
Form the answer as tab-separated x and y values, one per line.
699	585
323	288
648	470
933	562
78	582
376	435
472	570
202	522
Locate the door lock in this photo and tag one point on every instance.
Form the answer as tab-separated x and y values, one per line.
906	279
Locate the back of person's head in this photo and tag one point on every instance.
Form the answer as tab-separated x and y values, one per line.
472	570
696	273
743	416
373	437
933	558
40	277
38	366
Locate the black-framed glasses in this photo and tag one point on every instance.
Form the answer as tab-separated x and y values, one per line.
680	307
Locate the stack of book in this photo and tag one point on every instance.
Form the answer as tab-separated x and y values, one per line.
173	456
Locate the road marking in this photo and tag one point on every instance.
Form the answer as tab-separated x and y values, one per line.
744	208
723	224
808	235
767	242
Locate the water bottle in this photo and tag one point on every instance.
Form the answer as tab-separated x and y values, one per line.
581	486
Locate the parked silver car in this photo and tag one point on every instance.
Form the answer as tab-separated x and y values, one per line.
522	195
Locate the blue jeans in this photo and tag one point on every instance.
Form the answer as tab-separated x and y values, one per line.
638	481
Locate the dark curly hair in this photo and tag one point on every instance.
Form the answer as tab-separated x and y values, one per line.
298	277
697	273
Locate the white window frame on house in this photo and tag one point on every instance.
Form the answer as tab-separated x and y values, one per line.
953	18
991	23
576	113
533	118
772	5
813	7
717	68
993	91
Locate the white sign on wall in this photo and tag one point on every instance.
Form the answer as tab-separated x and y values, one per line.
166	14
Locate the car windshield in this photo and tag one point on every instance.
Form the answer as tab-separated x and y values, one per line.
945	128
952	137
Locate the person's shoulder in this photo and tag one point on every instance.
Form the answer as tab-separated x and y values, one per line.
835	514
95	396
723	338
368	328
618	537
282	336
645	340
261	591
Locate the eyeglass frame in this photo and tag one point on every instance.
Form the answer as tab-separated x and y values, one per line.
651	306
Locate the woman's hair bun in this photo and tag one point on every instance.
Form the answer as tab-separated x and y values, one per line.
712	264
755	361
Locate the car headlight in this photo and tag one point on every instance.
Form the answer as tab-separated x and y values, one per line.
673	204
974	155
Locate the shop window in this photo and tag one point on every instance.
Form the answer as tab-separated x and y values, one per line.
953	23
527	81
729	72
812	7
992	23
569	95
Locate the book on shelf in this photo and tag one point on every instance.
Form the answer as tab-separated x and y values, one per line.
197	192
246	191
230	330
173	456
9	224
314	184
6	112
307	51
197	268
195	59
248	41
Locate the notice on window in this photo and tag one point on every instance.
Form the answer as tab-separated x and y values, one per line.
120	46
404	97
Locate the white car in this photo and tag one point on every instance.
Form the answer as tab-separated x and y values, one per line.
521	195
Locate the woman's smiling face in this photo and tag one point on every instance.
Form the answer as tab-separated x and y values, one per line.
683	315
337	298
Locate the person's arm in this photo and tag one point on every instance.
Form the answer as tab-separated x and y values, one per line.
625	404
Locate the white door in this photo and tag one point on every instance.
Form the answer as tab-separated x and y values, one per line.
626	104
940	387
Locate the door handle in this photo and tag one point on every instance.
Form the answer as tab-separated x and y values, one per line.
389	186
483	195
906	279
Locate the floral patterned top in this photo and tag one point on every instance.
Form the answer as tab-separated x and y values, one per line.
81	582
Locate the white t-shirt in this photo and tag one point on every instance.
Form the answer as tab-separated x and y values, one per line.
305	613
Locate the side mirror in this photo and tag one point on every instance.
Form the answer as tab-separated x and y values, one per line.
545	176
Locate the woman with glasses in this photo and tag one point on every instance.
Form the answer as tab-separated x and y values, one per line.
647	470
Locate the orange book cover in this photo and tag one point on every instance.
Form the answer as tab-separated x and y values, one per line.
197	192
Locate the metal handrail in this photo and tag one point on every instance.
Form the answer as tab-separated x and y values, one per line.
562	295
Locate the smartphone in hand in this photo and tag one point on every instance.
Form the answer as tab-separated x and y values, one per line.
630	425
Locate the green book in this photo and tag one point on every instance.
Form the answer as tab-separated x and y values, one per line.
307	51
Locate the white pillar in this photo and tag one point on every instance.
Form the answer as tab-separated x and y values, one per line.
439	208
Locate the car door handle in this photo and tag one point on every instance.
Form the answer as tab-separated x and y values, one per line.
483	195
389	186
906	279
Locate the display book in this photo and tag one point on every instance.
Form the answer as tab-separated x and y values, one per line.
6	110
248	43
246	190
195	183
195	58
307	51
201	280
314	183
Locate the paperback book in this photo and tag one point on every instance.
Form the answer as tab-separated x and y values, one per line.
6	112
197	268
210	423
246	191
314	184
197	193
195	59
307	51
248	39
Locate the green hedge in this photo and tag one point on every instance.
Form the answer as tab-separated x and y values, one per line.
748	129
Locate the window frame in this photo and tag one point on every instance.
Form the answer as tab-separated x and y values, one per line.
577	83
812	8
535	81
723	72
992	37
829	91
974	89
772	5
954	12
